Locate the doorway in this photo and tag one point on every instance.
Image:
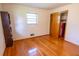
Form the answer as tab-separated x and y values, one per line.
63	22
58	24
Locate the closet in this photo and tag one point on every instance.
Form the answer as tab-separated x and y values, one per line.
5	18
58	24
63	21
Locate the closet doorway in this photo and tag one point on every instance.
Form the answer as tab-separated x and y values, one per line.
58	24
63	22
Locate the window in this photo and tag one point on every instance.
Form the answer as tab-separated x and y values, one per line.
31	18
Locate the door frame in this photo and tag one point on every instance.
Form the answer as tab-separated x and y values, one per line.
66	11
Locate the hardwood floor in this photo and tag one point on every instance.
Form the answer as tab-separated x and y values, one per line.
42	46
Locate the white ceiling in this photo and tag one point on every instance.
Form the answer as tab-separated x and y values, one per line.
44	5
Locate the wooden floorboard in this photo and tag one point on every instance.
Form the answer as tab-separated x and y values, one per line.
42	46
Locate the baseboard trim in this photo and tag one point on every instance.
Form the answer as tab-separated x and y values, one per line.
72	43
31	37
44	35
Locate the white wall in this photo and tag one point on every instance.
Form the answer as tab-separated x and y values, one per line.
23	30
18	19
72	28
2	41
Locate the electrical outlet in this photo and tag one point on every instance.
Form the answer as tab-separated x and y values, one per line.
32	34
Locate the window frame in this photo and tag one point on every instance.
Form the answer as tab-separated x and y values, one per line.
32	18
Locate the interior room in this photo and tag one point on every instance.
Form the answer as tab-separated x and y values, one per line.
39	29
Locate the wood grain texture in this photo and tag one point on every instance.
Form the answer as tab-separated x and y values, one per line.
55	23
42	46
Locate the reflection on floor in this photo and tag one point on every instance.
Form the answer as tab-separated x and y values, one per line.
42	46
